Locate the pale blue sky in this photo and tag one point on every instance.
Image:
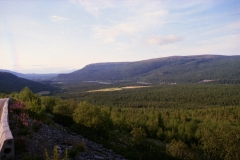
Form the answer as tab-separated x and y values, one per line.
49	36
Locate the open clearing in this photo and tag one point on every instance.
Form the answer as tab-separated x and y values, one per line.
42	93
117	89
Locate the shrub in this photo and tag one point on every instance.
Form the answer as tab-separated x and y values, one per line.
76	149
36	127
92	117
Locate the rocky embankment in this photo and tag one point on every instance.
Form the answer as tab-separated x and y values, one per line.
50	136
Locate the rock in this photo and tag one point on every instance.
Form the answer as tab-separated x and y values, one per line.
49	136
58	147
98	157
81	158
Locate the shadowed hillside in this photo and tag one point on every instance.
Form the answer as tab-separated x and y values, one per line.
170	69
11	83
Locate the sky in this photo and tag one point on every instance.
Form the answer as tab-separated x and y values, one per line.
60	36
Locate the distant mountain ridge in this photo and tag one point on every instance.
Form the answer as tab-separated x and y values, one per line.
11	83
182	69
32	76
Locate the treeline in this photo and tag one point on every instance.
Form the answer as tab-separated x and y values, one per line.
202	130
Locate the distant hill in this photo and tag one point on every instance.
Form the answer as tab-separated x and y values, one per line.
32	76
11	83
183	69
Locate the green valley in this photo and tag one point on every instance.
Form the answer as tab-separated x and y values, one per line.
168	108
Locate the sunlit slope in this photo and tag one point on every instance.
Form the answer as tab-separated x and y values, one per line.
170	69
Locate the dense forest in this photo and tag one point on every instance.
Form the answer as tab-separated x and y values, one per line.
190	121
162	96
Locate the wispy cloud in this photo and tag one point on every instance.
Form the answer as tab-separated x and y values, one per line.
95	7
191	7
55	18
133	22
109	34
163	40
116	28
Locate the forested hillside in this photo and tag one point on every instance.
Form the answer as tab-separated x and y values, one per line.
176	69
